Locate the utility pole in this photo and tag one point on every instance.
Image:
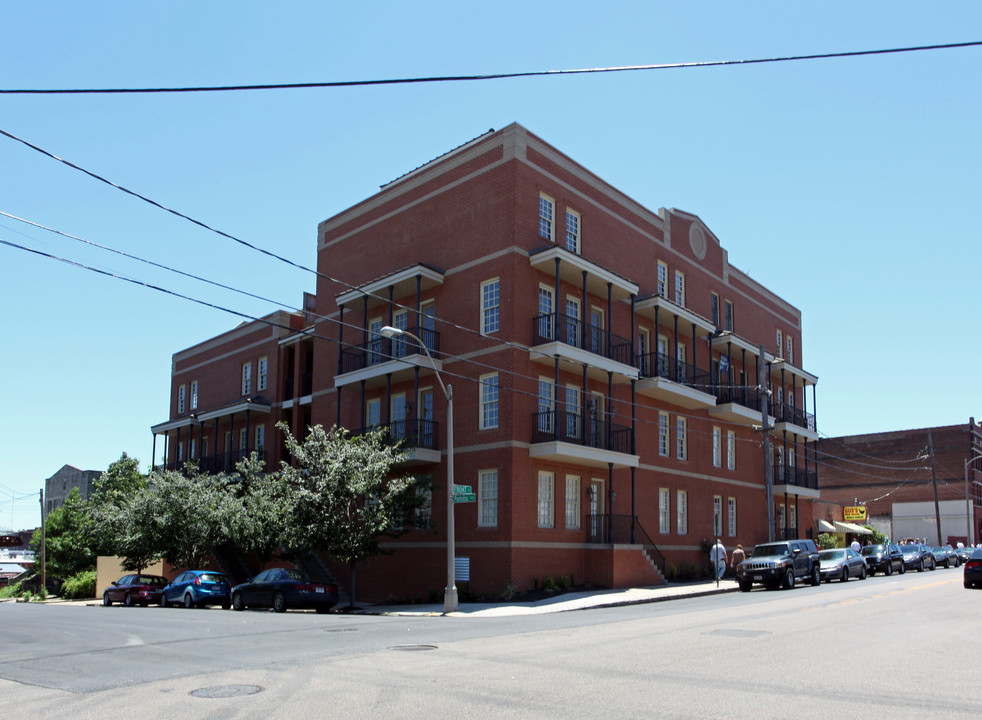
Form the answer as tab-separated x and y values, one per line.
934	480
765	430
44	583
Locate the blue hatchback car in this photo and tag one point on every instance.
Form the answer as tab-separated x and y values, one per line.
198	588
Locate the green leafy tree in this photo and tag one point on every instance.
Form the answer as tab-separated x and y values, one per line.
134	541
68	546
106	507
342	498
260	522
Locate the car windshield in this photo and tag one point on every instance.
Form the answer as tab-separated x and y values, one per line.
832	555
873	550
770	550
149	580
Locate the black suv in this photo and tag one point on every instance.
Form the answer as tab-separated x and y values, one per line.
778	564
883	558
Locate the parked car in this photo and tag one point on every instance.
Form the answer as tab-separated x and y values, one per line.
945	555
134	589
883	558
964	553
973	569
917	557
841	563
198	588
779	564
281	588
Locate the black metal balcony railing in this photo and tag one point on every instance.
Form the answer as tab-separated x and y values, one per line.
746	396
382	349
796	416
552	327
794	475
222	462
413	433
563	426
660	365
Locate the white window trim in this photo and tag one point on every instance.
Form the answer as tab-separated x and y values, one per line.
579	231
486	309
262	372
485	404
681	439
246	378
551	236
717	447
181	399
572	502
194	394
731	517
485	500
717	515
680	288
682	512
664	511
546	503
730	450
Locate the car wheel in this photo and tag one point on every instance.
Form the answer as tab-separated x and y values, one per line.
903	568
106	600
889	569
920	566
279	602
163	600
788	579
934	566
128	601
862	573
745	586
816	578
188	600
237	603
845	575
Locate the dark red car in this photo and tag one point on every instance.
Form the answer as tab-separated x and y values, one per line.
135	590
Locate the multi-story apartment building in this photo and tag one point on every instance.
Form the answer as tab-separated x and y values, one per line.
58	486
909	481
605	363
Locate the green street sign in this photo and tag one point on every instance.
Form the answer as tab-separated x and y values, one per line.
462	489
464	497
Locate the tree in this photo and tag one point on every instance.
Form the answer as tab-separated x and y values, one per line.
341	497
68	546
106	507
260	523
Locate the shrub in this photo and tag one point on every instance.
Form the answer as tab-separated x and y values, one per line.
80	586
10	591
563	582
550	584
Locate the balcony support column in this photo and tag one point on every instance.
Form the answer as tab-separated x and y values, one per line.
388	341
610	502
657	372
555	401
244	451
634	347
610	320
419	408
585	313
362	424
340	344
584	397
634	451
216	445
787	514
153	452
388	399
610	410
694	365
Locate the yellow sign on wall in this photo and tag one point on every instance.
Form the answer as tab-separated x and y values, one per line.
854	513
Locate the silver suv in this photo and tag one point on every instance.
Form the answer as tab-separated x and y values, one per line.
778	564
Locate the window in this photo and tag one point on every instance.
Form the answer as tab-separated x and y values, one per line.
717	515
572	502
180	451
489	401
194	394
664	511
573	231
243	442
246	378
662	279
663	441
789	355
192	449
547	208
679	288
780	342
545	511
681	444
180	399
780	516
730	450
424	506
572	412
731	517
793	516
714	308
682	512
545	405
373	415
260	438
487	498
571	330
717	447
545	313
262	370
729	315
399	412
490	306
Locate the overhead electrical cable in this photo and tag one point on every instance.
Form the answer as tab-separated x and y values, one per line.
483	77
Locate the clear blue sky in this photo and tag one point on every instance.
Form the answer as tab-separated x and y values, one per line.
850	186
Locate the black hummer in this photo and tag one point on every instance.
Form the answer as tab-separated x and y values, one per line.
777	564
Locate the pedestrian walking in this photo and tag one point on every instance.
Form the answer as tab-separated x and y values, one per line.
717	556
737	557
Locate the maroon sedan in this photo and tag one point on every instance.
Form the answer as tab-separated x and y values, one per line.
134	590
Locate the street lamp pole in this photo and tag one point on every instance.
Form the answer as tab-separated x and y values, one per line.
450	594
970	521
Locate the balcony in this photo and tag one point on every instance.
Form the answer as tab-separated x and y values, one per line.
213	464
679	383
566	437
738	405
795	480
578	344
420	438
381	356
794	420
306	386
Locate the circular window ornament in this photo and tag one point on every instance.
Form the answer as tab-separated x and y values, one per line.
697	240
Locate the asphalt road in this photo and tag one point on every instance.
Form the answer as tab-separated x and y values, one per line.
904	646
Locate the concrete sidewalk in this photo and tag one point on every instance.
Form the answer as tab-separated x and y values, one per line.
567	601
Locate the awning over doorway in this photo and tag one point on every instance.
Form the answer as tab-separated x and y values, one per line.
826	527
845	527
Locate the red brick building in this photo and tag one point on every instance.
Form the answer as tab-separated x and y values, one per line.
604	360
894	475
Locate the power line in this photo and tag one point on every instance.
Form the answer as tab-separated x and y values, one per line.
483	77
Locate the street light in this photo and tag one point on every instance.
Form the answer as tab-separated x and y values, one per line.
450	594
968	505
